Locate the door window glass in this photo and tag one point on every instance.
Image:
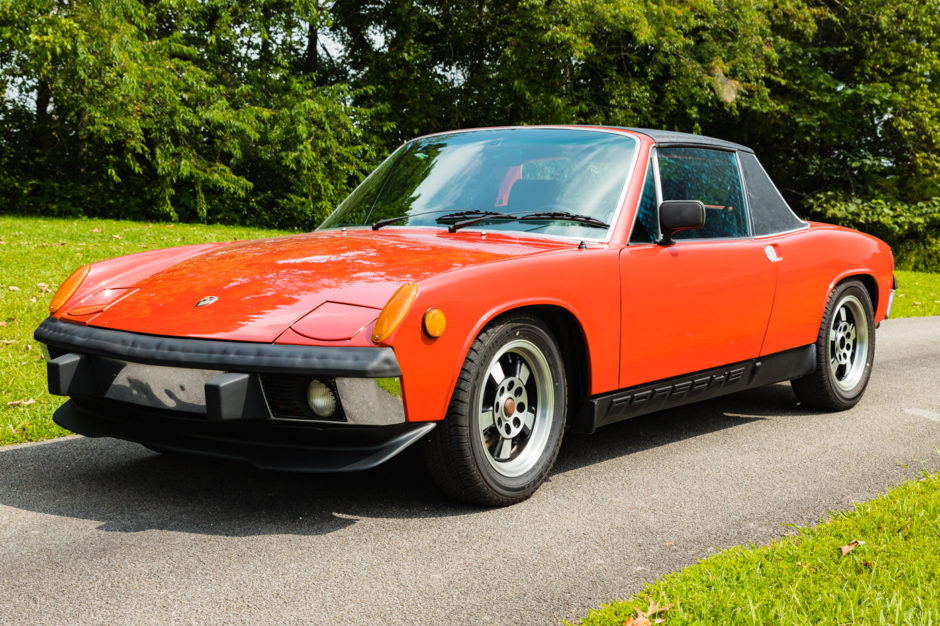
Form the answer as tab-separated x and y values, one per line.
712	177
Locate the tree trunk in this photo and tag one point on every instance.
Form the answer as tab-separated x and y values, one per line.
312	55
43	96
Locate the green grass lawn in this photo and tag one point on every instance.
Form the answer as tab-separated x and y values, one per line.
891	578
36	255
918	294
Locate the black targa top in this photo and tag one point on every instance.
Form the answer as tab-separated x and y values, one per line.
770	213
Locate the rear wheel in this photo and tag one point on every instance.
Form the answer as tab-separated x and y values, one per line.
845	349
505	421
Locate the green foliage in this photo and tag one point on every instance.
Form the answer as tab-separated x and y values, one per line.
892	575
441	65
912	230
855	103
177	109
269	111
835	96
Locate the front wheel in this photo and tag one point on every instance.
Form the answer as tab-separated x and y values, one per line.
505	421
845	349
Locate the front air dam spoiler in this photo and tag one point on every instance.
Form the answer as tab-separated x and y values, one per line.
263	443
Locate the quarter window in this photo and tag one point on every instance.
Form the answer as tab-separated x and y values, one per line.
712	177
645	228
770	213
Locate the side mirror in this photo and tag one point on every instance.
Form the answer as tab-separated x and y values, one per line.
676	215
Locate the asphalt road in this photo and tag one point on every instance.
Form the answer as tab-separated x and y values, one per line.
104	531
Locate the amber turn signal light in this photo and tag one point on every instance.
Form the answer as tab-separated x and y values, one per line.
434	322
69	287
394	312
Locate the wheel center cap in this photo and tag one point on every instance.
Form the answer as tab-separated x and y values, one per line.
509	407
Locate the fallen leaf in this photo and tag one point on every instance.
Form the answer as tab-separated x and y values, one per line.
29	347
3	323
21	402
13	288
7	342
96	230
643	617
2	242
116	236
851	546
33	299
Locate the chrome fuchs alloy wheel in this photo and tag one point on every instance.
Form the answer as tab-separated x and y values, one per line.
506	417
845	350
848	343
515	409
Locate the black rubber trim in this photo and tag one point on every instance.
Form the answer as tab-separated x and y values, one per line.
263	443
635	401
216	354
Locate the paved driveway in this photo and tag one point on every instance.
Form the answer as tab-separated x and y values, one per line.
106	531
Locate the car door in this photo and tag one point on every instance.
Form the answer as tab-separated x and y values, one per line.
705	301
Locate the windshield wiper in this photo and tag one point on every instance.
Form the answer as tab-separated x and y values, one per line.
461	219
565	215
472	217
449	218
456	216
388	220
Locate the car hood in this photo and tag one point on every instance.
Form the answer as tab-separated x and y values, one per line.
262	287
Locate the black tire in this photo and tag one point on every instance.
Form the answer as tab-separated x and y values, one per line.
845	350
500	438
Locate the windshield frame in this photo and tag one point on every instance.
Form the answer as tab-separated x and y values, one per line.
628	172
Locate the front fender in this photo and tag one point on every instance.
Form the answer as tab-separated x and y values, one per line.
582	282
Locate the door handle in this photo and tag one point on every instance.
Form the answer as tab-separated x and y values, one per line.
771	252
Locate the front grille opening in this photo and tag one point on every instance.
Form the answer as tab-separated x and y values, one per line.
287	397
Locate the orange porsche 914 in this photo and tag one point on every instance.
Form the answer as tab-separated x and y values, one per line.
480	294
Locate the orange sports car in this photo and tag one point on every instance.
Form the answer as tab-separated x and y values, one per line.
481	293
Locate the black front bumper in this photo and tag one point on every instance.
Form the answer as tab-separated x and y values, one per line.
234	418
242	356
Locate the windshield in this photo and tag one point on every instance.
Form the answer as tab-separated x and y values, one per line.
518	171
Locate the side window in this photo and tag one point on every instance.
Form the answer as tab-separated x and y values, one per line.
644	228
770	213
712	177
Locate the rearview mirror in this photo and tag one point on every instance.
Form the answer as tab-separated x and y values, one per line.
676	215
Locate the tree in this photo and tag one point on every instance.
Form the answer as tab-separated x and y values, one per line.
175	108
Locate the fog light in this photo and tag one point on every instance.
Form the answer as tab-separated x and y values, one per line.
320	399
